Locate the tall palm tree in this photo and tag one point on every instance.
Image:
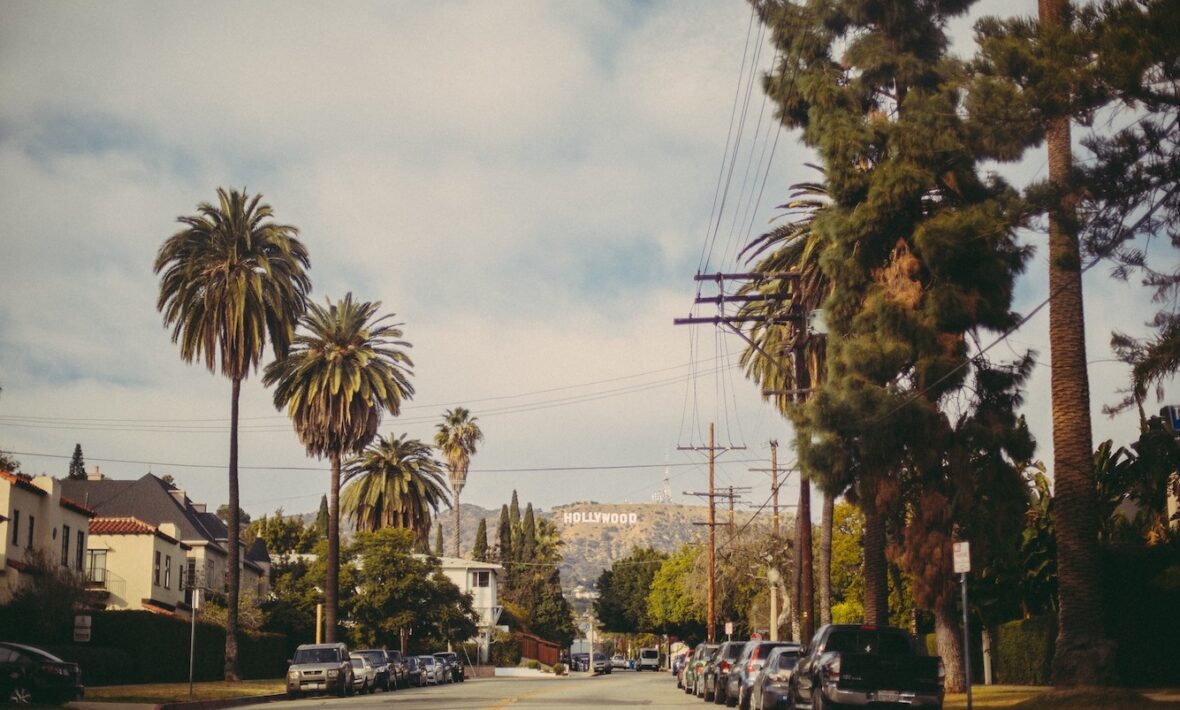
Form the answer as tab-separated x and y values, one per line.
395	482
794	247
228	280
1083	653
457	436
340	376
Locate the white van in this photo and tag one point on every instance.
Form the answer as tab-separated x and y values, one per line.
649	659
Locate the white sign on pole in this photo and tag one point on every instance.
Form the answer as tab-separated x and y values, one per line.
81	628
962	557
729	628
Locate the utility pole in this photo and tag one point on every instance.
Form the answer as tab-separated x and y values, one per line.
712	495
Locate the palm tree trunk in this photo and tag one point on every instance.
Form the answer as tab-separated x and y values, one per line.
949	641
332	577
233	575
807	572
825	560
456	536
876	600
1083	653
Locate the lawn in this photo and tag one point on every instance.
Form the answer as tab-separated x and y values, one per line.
178	692
1043	698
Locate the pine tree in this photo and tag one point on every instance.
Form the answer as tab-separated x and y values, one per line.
528	535
479	551
920	251
77	465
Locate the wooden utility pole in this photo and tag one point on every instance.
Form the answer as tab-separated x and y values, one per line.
774	482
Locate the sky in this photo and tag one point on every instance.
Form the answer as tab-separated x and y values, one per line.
528	186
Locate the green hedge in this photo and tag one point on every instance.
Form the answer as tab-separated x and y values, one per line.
1022	651
140	647
504	651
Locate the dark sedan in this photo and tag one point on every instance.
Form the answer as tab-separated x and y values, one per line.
30	675
456	665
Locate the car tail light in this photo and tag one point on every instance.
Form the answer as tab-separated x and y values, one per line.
724	665
832	671
56	670
751	667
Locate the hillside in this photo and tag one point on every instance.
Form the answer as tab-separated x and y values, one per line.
597	534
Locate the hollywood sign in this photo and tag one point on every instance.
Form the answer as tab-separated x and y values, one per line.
600	517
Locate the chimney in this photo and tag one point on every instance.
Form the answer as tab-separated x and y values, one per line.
199	507
170	530
95	475
178	494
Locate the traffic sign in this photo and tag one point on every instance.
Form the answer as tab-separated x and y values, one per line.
962	557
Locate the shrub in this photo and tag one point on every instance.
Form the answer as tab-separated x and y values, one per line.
559	669
1023	651
533	664
505	651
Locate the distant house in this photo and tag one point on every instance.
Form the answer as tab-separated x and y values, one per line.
480	580
162	512
37	520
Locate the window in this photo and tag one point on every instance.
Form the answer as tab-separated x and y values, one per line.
15	527
156	576
32	524
167	571
96	566
481	578
65	545
81	551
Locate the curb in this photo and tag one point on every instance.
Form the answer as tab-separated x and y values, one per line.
226	703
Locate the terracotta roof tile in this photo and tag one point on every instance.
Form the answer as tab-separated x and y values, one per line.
77	507
20	480
121	526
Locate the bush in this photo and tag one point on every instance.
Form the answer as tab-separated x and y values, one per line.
1023	651
533	664
505	651
559	669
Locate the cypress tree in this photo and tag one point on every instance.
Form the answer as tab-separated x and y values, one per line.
504	533
77	465
321	519
479	550
438	539
528	535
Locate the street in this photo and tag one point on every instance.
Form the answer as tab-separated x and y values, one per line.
575	692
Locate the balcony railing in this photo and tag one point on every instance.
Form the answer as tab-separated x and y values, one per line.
106	582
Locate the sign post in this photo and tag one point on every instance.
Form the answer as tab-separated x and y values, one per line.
962	558
82	628
192	639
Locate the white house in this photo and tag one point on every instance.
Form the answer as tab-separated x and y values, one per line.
480	580
36	520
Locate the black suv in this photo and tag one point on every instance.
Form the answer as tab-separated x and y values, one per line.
717	670
452	659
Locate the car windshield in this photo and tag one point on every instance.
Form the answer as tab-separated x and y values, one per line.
427	660
315	655
39	655
375	657
650	654
787	661
733	650
357	663
869	642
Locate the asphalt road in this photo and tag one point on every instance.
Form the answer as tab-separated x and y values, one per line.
574	692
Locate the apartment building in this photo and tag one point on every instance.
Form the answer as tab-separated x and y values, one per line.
480	580
38	525
133	564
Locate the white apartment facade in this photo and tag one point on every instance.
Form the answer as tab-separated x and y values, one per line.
38	523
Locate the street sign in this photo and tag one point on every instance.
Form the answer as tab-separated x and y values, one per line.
1171	416
962	557
729	628
81	628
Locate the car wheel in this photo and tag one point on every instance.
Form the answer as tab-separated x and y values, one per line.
20	695
743	700
719	694
292	695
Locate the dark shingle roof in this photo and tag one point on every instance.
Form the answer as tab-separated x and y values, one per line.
149	499
257	551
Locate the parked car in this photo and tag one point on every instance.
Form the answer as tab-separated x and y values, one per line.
745	670
855	665
618	661
695	666
31	675
772	684
580	662
678	665
415	673
397	668
717	670
383	677
364	676
601	664
434	671
649	659
455	662
323	667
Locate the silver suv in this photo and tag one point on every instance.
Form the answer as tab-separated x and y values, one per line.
323	667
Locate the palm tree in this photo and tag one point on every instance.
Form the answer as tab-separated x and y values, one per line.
457	436
795	248
228	280
340	376
395	482
1083	653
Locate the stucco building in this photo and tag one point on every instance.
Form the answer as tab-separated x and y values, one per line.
38	524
